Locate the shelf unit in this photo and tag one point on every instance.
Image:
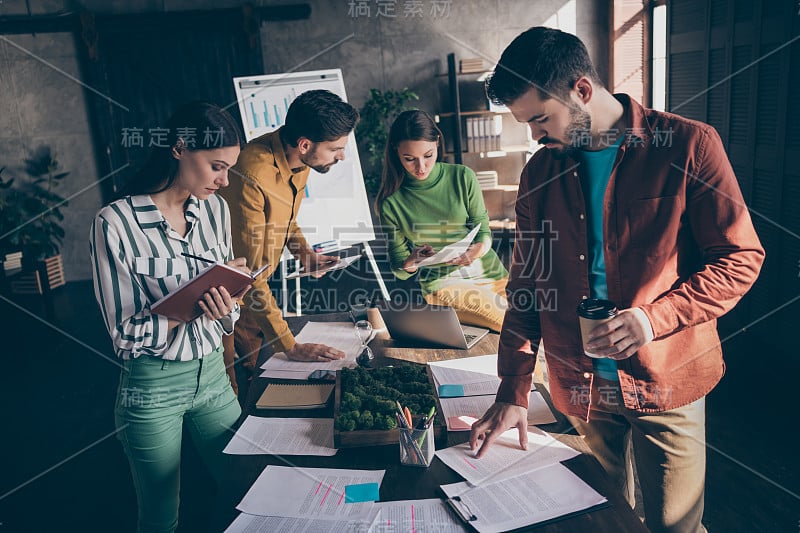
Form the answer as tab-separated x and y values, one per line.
504	150
455	101
515	146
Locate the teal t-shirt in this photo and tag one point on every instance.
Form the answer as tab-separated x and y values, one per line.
596	171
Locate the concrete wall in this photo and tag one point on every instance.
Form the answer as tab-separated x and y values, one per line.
41	103
375	50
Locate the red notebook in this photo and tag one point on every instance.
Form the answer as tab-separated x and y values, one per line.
181	304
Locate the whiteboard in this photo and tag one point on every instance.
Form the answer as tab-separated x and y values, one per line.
336	207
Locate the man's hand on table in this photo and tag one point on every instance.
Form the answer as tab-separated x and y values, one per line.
499	418
314	353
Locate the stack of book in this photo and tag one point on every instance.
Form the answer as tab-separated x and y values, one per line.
12	262
472	65
483	133
487	179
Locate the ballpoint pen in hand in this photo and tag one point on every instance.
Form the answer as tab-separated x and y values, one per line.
254	274
203	259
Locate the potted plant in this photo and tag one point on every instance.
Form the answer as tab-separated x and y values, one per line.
31	223
377	114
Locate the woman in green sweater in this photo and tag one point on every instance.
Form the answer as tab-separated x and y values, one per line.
425	205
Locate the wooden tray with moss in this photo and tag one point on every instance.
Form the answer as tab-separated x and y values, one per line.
364	406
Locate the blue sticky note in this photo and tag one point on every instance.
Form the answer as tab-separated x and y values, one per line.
363	492
451	391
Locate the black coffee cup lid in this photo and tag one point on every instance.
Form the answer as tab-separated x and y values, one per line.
596	308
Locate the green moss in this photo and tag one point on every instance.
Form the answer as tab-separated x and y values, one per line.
368	396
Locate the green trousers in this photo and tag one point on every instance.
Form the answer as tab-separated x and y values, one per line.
154	400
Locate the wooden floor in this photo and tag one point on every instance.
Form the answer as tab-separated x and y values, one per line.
62	469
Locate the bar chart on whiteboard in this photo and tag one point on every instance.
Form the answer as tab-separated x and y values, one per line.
266	114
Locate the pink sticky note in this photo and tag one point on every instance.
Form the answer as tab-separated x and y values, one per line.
460	423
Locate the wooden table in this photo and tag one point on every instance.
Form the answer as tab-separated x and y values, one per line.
408	483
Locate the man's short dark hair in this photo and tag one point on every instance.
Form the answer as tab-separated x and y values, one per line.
548	59
319	116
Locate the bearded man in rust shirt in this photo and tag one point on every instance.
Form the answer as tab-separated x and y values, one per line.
639	207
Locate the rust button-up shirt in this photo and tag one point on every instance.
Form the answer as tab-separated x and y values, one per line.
264	197
678	243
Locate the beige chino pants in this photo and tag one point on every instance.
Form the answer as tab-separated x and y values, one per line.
670	453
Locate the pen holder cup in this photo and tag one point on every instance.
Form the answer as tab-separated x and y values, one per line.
417	446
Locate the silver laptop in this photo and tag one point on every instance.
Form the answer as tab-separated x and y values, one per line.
430	323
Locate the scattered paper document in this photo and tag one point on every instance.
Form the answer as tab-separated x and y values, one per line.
505	458
308	493
283	436
417	516
451	251
339	335
465	369
453	409
285	374
467	376
247	523
530	498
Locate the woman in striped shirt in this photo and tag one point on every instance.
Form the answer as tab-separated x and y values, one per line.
172	371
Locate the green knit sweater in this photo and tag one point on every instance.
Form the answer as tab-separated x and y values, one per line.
439	210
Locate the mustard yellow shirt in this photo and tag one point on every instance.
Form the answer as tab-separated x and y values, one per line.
264	197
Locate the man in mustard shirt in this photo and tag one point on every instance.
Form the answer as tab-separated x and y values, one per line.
266	189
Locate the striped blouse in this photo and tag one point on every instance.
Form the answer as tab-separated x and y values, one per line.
136	258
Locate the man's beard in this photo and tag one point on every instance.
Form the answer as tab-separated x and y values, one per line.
580	125
309	162
322	169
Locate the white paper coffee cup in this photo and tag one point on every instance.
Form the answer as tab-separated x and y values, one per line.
591	313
